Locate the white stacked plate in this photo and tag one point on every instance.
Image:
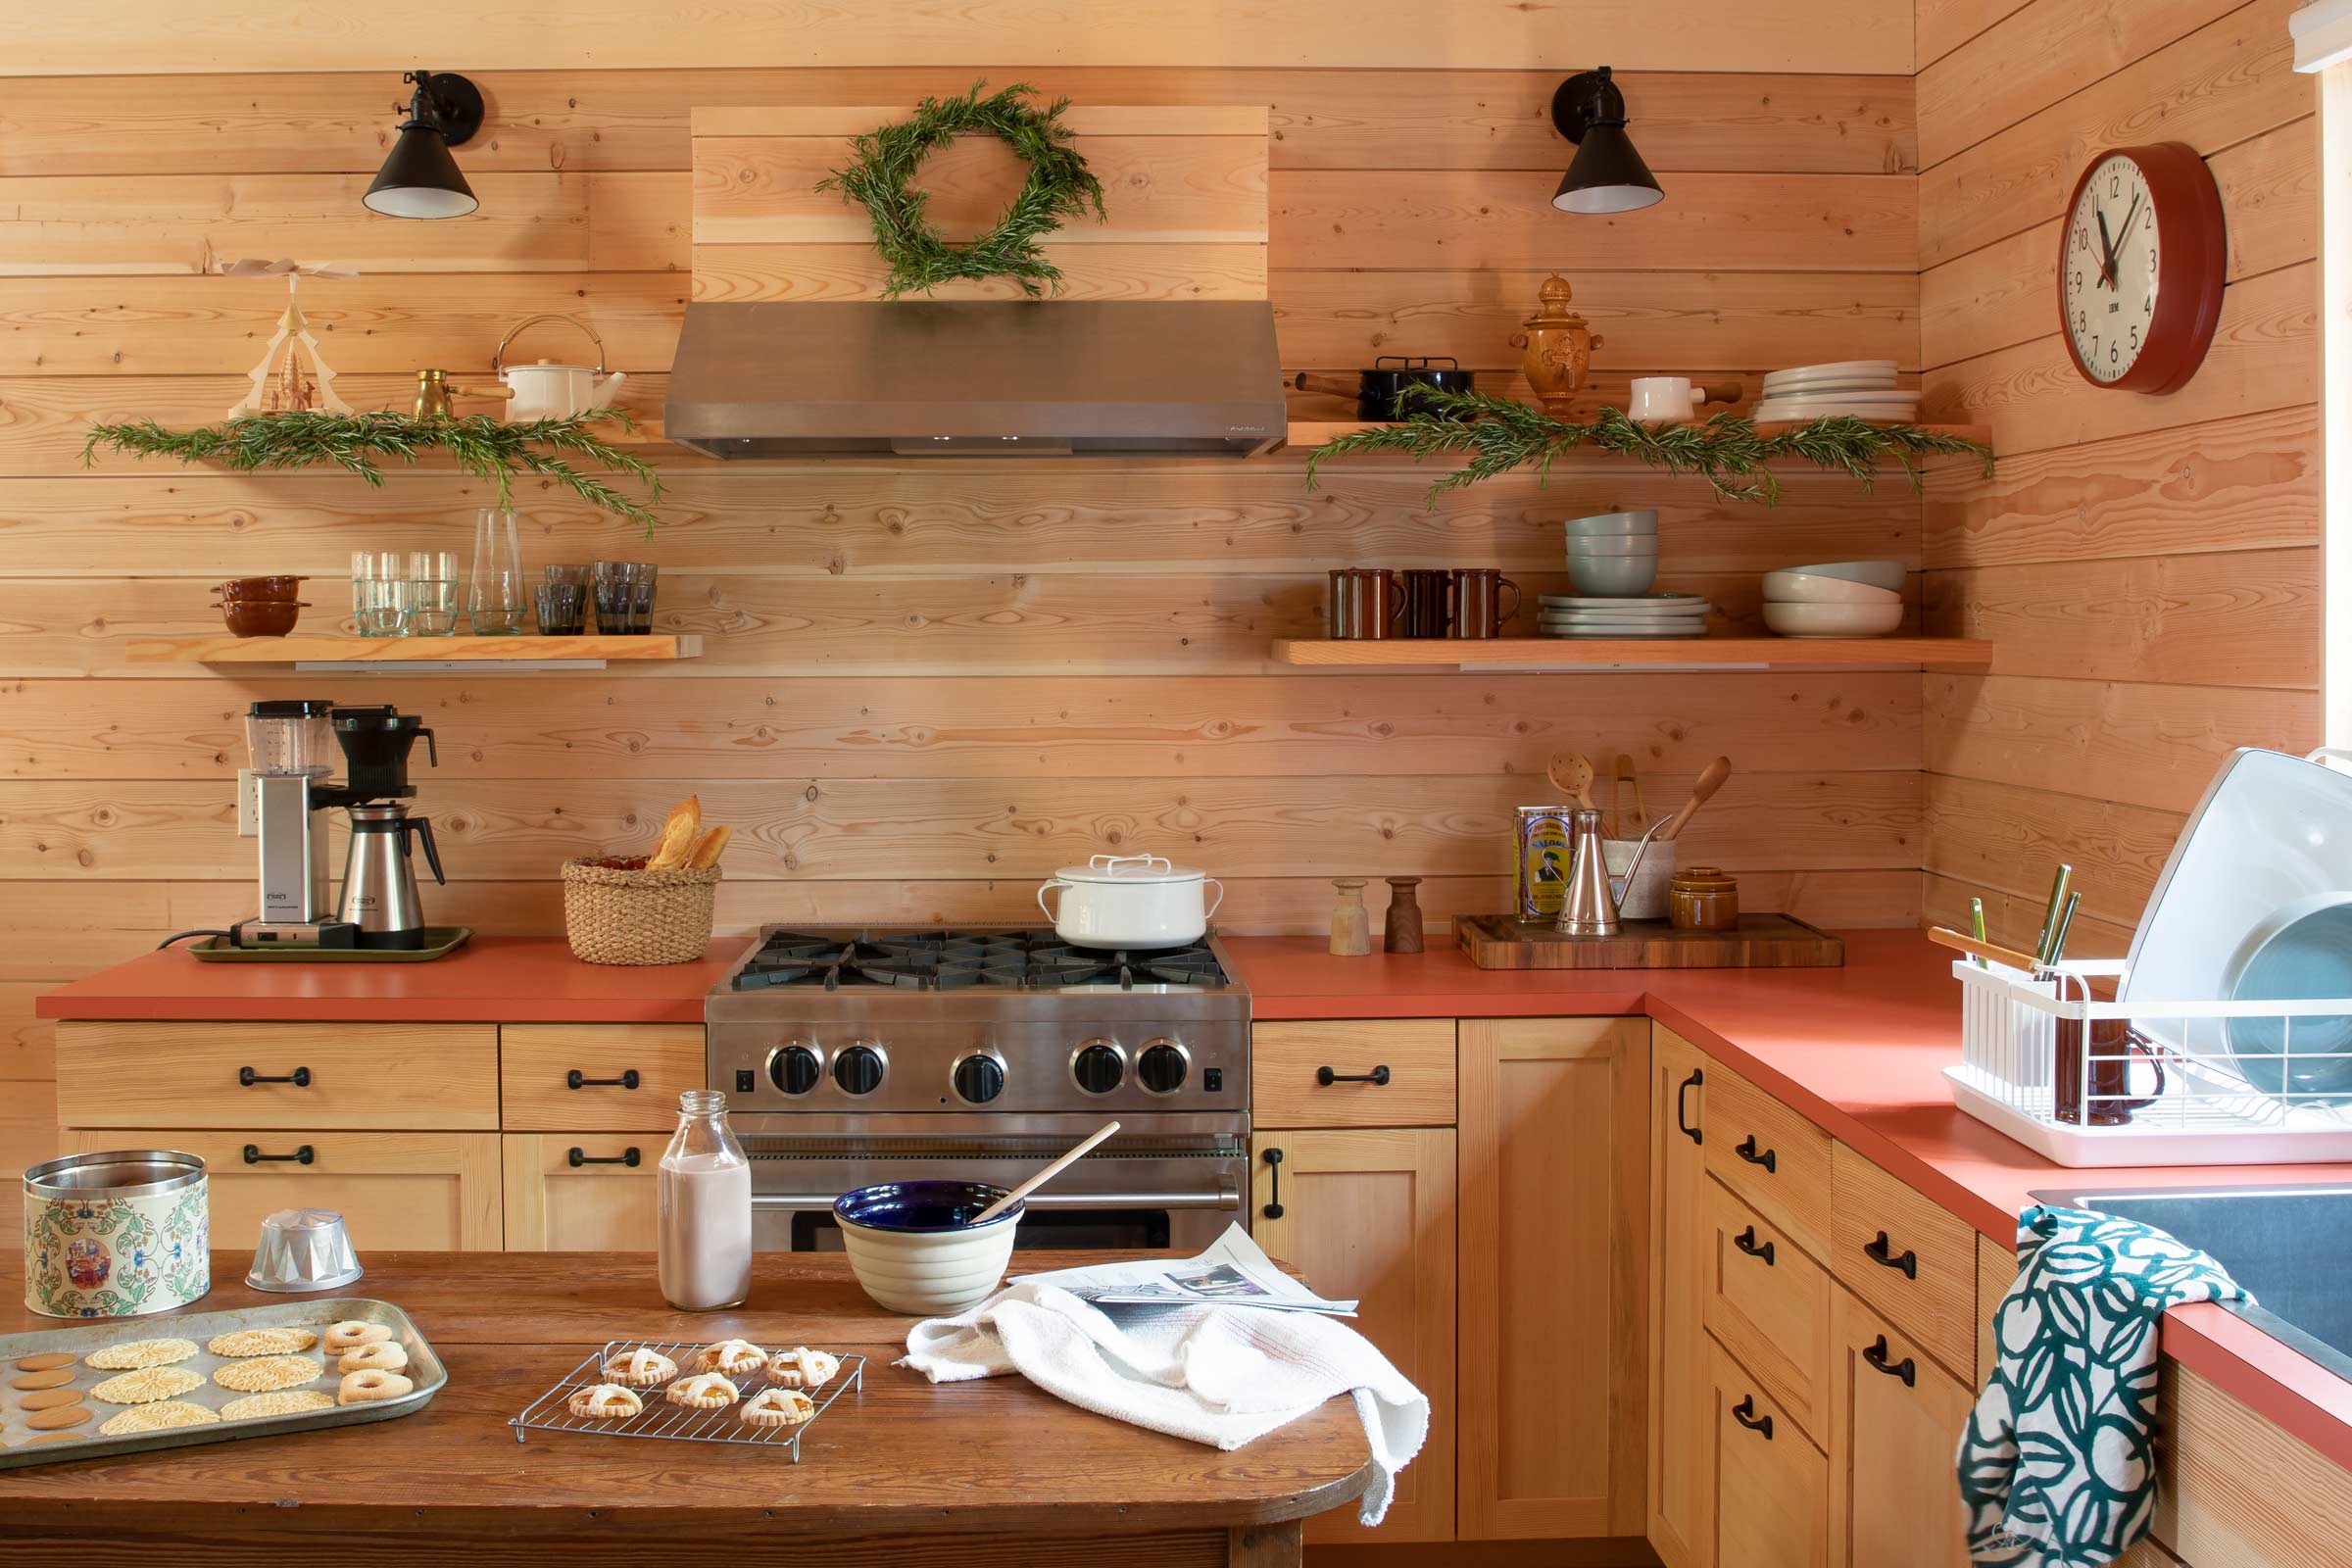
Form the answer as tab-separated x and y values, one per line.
1643	615
1835	599
1863	389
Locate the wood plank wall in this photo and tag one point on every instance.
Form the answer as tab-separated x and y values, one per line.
2147	567
925	685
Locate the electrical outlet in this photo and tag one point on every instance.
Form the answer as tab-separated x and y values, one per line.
249	805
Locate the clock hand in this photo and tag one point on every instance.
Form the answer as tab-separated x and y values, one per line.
2106	243
2129	214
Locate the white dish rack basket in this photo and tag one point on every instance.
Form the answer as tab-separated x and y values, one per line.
2012	1074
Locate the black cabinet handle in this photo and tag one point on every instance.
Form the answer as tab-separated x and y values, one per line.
1747	1241
300	1078
1881	1253
581	1156
1769	1159
1682	1098
1273	1159
574	1079
1877	1354
301	1156
1745	1412
1326	1077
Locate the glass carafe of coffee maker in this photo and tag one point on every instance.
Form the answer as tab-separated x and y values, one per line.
292	736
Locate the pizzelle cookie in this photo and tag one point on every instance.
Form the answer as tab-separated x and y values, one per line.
735	1357
604	1402
268	1374
140	1353
147	1386
381	1356
262	1342
366	1388
705	1391
640	1368
353	1333
158	1418
281	1402
803	1369
777	1408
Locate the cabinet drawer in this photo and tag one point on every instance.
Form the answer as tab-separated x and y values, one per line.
430	1192
370	1076
1896	1421
1288	1063
1907	1258
1769	1305
577	1077
582	1192
1772	1486
1775	1160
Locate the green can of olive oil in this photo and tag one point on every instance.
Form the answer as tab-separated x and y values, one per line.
1543	842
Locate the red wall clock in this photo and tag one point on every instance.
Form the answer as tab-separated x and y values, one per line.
2140	268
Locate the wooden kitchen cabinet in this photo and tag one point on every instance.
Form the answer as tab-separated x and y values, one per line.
581	1192
1371	1214
1772	1484
1895	1419
410	1191
1385	1072
1680	1475
622	1078
1554	1117
369	1077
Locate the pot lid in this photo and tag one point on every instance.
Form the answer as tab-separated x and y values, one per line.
549	364
1144	868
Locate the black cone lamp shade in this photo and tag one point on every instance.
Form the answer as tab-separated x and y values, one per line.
1606	175
420	179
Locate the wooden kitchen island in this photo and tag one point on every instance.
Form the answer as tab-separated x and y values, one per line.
900	1472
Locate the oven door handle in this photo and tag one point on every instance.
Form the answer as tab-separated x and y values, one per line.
805	1201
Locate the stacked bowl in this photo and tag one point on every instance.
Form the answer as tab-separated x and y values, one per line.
259	606
1613	555
1862	388
1836	599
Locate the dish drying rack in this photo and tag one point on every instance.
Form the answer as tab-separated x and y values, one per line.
2012	1073
677	1423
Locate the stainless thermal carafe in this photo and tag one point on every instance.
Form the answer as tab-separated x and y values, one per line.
379	885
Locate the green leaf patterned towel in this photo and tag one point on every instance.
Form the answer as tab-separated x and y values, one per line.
2055	1465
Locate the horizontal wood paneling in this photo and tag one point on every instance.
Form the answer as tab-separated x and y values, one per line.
1944	25
2014	919
245	35
1987	835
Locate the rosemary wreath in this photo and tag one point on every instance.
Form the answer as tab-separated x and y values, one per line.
880	178
1500	434
490	449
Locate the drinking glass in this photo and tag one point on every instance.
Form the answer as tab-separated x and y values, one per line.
383	606
366	566
561	607
432	593
496	599
624	596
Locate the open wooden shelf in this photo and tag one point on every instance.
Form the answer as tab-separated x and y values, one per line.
1693	653
393	650
1314	433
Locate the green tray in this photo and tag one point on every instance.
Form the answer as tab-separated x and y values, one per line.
439	942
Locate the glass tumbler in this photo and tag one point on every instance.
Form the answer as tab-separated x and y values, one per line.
370	566
561	608
497	600
432	593
624	596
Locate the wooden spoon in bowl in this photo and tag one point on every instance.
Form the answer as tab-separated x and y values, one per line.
1045	1176
1710	779
1571	774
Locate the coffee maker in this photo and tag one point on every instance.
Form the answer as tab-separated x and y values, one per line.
284	799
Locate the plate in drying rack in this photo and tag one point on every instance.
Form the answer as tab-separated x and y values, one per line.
550	1412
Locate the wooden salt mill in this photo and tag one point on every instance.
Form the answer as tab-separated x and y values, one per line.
1350	922
1556	348
1402	931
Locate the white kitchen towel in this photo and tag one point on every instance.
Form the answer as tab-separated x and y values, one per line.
1220	1375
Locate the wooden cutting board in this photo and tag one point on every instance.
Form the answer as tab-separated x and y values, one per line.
1762	942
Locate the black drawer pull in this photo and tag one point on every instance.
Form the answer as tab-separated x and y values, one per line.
1745	1412
1682	1098
1747	1241
1273	1159
1769	1159
1881	1253
575	1079
1378	1075
581	1156
300	1078
1877	1354
301	1156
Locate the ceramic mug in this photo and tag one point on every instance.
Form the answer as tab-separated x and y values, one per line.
1479	610
2095	1084
1428	602
1366	602
1664	399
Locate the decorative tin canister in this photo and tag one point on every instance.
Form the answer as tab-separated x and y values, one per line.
116	1235
1542	855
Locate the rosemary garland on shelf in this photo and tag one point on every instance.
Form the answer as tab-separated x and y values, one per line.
488	447
881	173
1500	434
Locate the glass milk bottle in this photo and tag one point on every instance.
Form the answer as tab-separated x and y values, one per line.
705	1241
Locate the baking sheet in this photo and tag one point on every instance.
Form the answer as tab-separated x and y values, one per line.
16	1448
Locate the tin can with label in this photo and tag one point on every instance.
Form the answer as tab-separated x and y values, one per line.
1542	860
116	1235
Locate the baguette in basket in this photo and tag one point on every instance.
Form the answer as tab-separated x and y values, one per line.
658	910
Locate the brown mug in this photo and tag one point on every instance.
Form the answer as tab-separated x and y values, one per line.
1366	602
2093	1087
1478	610
1428	602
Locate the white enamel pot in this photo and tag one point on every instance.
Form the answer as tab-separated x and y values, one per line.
1130	900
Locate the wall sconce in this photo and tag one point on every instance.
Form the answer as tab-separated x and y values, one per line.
420	179
1606	175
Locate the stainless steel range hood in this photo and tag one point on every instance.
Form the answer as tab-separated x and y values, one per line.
954	378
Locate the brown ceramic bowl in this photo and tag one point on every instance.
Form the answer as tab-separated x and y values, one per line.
269	588
258	618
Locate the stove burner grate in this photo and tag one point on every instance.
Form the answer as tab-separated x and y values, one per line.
949	960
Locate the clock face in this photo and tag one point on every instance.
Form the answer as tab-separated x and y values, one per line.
2110	270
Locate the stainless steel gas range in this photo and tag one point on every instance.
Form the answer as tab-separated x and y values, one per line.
850	1057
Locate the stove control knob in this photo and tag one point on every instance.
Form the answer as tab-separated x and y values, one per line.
859	1068
1099	1065
1162	1066
980	1079
795	1068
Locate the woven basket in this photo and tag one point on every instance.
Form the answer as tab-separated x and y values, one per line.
614	916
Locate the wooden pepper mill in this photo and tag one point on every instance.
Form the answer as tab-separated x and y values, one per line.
1556	348
1350	922
1402	932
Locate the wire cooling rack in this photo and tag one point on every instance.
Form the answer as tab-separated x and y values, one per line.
551	1412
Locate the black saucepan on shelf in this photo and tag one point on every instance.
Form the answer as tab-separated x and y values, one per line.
1376	389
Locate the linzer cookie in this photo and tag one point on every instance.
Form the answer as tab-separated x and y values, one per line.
381	1356
366	1388
141	1353
147	1386
270	1373
353	1333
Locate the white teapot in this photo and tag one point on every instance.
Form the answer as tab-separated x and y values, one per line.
547	390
